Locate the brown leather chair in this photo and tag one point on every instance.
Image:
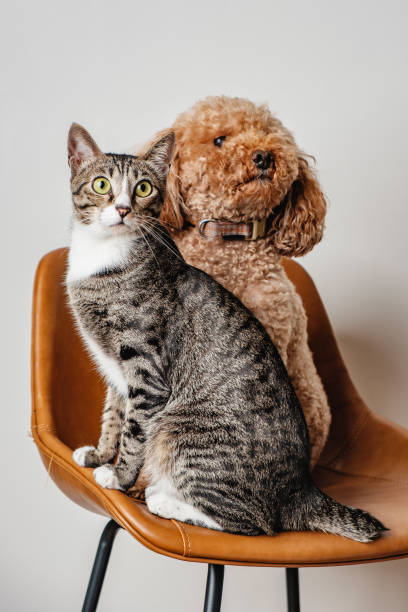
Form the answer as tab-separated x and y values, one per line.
364	464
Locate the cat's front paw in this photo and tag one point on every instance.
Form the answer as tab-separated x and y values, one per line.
106	476
86	456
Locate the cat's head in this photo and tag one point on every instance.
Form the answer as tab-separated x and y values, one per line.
116	193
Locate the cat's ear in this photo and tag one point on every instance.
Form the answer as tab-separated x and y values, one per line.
161	154
81	147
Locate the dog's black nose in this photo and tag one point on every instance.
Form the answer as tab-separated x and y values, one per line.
262	159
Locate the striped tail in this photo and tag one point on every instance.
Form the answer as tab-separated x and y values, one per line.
316	511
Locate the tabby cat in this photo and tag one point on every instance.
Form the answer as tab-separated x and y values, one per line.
197	392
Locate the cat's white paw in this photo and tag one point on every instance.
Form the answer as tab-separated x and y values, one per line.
81	454
164	506
105	476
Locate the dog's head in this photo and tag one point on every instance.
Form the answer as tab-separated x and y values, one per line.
234	161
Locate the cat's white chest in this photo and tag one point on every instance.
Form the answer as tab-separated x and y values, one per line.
108	366
92	251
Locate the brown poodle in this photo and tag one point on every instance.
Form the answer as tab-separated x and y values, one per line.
236	163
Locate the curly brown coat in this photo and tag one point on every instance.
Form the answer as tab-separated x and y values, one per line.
215	175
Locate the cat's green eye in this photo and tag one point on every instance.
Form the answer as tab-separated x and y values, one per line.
101	185
143	189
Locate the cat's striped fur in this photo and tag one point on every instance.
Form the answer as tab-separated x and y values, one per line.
197	392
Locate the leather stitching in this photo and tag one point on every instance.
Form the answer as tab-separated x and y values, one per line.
182	533
44	427
49	467
189	543
186	538
62	464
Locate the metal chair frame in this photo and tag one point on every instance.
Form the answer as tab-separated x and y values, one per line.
215	577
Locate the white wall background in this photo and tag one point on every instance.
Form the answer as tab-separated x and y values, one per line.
335	73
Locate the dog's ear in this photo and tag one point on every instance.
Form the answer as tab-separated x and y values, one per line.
299	224
171	215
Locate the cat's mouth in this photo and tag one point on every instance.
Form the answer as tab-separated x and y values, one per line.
122	224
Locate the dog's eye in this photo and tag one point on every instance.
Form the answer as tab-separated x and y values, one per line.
218	141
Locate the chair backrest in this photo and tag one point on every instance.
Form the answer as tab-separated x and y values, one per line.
67	389
68	392
348	410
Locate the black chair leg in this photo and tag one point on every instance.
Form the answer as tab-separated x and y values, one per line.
292	589
213	591
215	578
99	567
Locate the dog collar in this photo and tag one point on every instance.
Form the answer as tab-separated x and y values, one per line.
214	228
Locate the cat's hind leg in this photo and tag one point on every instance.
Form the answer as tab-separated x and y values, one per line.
163	499
162	496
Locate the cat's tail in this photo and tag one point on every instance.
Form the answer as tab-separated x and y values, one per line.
316	511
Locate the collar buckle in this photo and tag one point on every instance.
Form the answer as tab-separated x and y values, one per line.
258	229
227	230
202	225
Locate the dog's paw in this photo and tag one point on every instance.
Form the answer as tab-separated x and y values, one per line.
86	456
106	477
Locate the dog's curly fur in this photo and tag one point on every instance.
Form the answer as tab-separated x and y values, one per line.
222	182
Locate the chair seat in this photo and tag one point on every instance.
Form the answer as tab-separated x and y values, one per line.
386	498
365	463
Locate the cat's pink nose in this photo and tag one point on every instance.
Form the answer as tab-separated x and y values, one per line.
123	210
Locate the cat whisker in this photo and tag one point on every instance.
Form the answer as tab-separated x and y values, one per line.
160	221
155	232
152	221
158	224
138	227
